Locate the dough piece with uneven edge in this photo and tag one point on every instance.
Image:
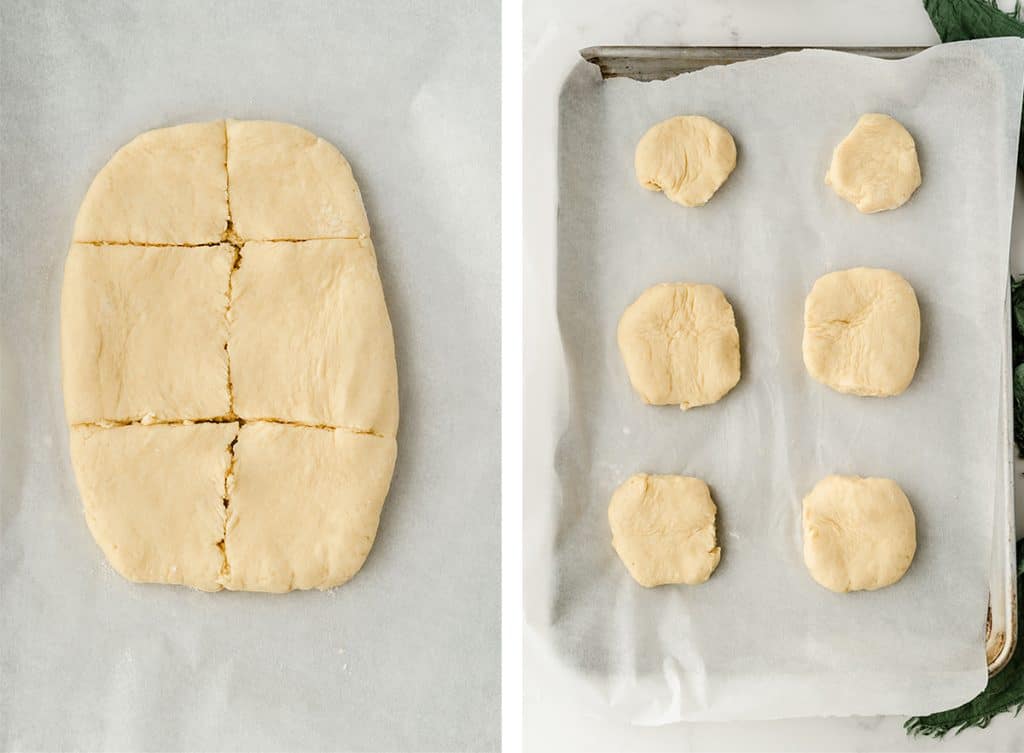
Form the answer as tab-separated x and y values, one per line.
862	332
875	167
164	186
663	529
688	157
859	533
289	184
143	333
305	504
154	498
311	340
680	345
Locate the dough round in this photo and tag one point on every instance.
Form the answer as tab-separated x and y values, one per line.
688	157
859	533
875	167
862	332
663	529
680	345
228	361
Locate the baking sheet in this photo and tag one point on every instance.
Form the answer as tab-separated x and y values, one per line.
761	639
406	656
648	63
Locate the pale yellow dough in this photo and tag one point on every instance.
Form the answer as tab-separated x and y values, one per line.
143	332
663	529
862	332
680	345
164	186
299	309
154	498
304	505
875	167
289	184
688	157
228	361
859	533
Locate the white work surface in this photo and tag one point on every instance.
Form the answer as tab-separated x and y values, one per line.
553	719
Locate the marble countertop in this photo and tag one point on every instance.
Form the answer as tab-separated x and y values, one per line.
552	721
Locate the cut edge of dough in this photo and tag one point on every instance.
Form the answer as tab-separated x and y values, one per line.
364	230
328	583
224	576
96	190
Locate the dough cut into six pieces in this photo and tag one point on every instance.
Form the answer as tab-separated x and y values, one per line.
228	360
680	346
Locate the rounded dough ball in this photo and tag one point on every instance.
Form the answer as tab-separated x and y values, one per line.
680	345
663	529
875	167
862	332
688	157
859	533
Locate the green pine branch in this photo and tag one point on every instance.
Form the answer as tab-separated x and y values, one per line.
956	20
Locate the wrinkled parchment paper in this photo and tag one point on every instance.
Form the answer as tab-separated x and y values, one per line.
406	656
761	639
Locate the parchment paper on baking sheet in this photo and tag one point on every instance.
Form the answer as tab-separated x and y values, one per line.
761	639
408	653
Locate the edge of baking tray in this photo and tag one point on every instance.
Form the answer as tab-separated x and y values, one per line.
1002	629
651	63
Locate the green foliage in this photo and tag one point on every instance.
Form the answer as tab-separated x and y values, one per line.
1005	691
956	20
1017	305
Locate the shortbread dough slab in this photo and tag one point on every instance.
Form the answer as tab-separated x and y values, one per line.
289	184
305	504
146	330
143	333
154	498
164	186
311	340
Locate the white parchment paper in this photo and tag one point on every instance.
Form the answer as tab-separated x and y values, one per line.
761	639
406	656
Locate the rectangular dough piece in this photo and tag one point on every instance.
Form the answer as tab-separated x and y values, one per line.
311	341
164	186
154	498
144	333
288	184
305	504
